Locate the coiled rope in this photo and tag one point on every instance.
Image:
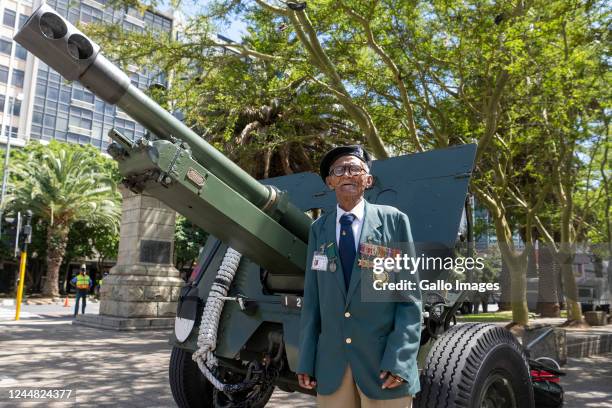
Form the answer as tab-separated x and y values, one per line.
207	337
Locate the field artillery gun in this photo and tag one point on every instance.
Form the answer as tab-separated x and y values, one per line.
239	313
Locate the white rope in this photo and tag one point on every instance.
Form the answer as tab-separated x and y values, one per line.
207	338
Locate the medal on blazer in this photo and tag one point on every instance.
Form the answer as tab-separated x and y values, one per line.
330	251
381	277
365	263
372	250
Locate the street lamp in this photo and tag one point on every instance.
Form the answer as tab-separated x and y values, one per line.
8	129
27	233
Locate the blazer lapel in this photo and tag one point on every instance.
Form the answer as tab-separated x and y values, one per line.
330	237
369	231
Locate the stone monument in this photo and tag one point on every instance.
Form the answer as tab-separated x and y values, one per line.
142	289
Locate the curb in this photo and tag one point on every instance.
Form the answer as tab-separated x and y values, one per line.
124	323
583	344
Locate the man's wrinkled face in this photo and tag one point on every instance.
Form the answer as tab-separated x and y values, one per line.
347	186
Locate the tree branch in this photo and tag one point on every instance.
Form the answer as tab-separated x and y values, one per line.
492	113
308	37
396	74
273	9
245	51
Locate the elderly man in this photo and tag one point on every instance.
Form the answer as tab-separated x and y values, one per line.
356	352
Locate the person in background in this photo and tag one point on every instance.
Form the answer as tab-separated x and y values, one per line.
83	283
99	285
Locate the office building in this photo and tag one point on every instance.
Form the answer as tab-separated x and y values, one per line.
36	103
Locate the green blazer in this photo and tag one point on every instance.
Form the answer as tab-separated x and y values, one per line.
340	327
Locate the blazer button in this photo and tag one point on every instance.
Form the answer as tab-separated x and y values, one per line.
347	314
348	340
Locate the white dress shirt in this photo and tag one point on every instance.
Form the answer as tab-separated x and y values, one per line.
358	211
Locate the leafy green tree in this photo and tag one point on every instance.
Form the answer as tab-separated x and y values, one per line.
188	239
63	184
91	240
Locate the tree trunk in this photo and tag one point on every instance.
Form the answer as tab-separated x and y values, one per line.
504	283
67	278
518	283
574	310
532	262
548	304
57	238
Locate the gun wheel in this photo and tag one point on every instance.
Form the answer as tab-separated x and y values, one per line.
476	366
497	392
190	389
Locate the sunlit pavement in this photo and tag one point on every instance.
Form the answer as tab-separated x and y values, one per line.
130	369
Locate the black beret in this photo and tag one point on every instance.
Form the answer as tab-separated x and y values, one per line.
330	157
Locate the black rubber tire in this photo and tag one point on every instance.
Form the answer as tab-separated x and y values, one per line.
462	361
190	389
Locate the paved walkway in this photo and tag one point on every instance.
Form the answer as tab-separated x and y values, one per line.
105	368
130	369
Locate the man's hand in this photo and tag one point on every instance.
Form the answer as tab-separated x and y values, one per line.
391	381
306	382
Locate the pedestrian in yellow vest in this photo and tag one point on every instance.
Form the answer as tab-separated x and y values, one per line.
82	282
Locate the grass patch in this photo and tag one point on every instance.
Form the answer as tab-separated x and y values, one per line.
505	316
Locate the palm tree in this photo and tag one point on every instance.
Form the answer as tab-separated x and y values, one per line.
63	184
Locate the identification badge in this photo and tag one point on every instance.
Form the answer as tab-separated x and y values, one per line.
319	262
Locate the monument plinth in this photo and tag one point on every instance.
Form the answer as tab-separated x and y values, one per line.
142	289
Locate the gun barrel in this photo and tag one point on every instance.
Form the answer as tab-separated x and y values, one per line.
76	57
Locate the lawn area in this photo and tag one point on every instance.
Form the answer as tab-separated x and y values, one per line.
504	316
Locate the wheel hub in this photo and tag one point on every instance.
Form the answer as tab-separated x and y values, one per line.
497	393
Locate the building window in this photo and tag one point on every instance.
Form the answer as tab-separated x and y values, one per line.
133	78
20	52
22	20
35	132
6	46
61	124
81	118
17	108
52	93
18	76
37	118
16	105
131	27
90	14
13	129
49	121
82	95
3	74
9	18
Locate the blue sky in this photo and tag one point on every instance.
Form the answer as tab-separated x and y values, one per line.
234	31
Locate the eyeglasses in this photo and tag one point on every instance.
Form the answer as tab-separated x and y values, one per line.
353	170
